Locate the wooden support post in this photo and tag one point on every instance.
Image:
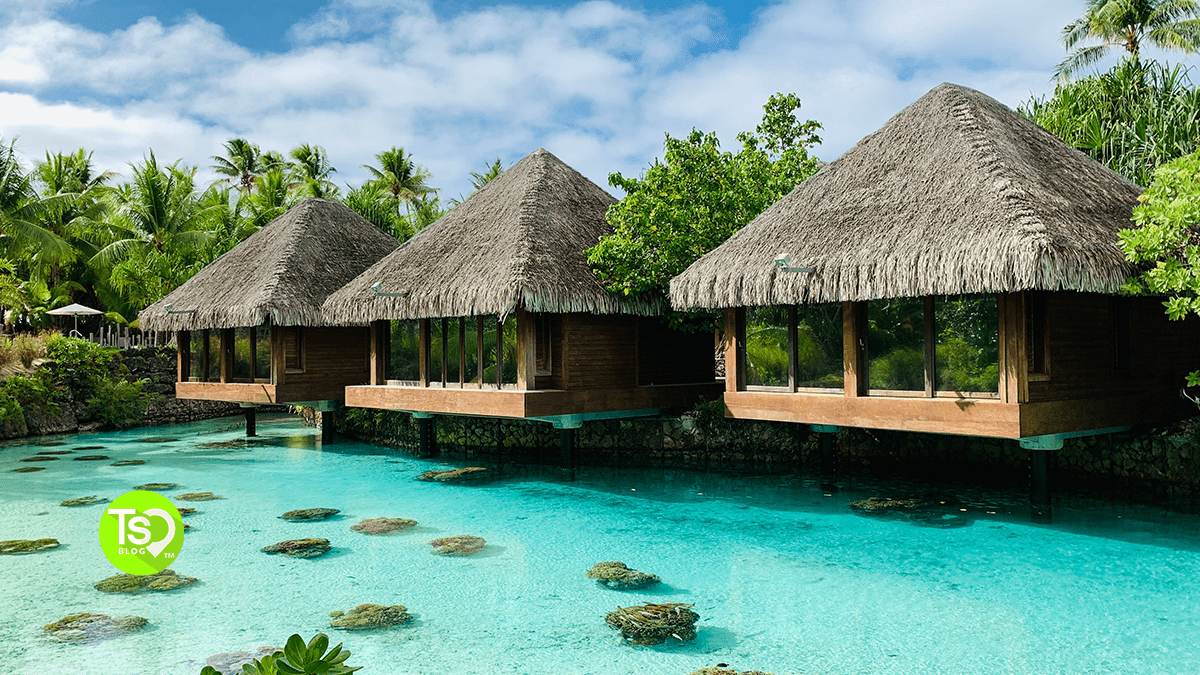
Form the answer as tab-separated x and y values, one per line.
251	419
226	355
462	352
1040	489
278	358
930	349
327	435
566	454
735	332
183	356
526	350
424	350
499	353
426	440
479	349
1014	367
854	348
204	355
442	329
828	465
380	332
793	354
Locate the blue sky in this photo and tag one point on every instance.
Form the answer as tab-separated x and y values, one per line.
458	83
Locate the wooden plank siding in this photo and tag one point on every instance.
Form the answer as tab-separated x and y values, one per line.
602	351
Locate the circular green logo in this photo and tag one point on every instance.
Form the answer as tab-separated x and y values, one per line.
141	532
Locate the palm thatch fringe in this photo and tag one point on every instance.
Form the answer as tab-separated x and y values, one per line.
955	194
280	274
518	242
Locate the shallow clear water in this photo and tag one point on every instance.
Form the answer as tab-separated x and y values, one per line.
785	577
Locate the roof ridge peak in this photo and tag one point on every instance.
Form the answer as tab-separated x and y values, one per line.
1026	219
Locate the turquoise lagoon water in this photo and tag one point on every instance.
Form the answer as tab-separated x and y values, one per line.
785	577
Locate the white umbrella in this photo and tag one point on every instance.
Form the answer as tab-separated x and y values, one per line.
74	309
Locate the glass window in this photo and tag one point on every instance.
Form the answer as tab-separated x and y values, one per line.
196	354
293	348
510	349
767	346
404	362
214	356
262	352
896	344
819	346
968	348
242	368
471	353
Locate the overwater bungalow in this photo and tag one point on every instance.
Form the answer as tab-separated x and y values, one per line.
249	326
956	272
493	311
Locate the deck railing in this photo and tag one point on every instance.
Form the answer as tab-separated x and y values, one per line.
123	337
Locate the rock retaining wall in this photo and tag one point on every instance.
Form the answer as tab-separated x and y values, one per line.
1164	460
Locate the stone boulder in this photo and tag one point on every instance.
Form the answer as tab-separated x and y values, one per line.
305	515
19	546
463	475
166	580
86	627
652	624
156	487
129	462
300	548
198	496
617	576
367	616
463	544
83	501
28	469
383	525
230	663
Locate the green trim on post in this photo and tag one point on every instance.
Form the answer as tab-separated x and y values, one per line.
576	421
1055	441
824	428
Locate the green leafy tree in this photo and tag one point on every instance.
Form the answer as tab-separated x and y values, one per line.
243	162
1132	118
374	203
692	201
1129	24
1165	244
479	179
402	178
312	170
298	658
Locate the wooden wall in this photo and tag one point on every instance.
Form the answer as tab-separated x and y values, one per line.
1081	350
333	357
667	356
555	379
599	351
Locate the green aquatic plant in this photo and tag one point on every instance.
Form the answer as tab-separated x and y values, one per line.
298	658
165	580
463	544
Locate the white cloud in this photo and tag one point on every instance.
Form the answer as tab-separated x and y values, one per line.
596	82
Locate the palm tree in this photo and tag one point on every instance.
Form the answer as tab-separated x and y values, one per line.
312	167
373	203
402	178
244	161
1166	24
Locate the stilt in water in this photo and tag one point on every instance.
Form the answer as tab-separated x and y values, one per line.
251	418
566	453
825	434
426	440
1041	493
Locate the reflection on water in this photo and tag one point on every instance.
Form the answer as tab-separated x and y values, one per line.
785	575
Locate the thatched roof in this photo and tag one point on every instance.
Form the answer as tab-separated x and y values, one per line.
518	242
282	273
955	194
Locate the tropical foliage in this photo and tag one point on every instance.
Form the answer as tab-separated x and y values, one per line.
693	200
70	232
1129	24
1132	118
1165	243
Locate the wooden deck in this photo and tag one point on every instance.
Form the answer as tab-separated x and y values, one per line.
524	403
259	392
